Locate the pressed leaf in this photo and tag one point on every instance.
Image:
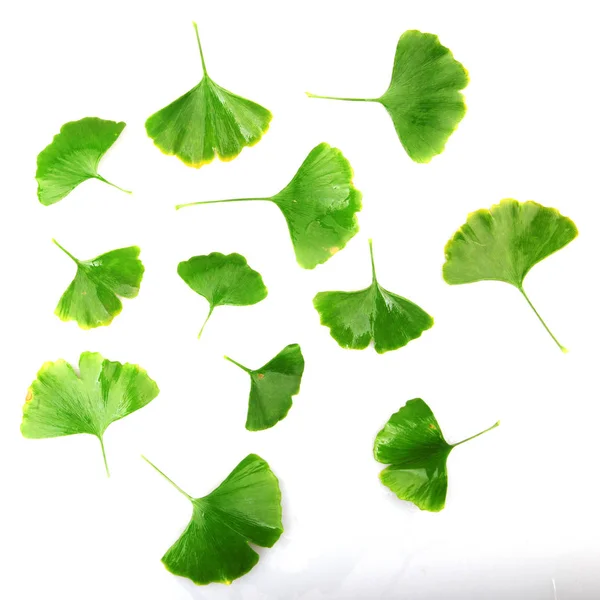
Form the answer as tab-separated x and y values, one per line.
504	243
413	446
374	314
73	157
222	280
63	402
424	98
272	387
245	509
92	299
319	204
207	120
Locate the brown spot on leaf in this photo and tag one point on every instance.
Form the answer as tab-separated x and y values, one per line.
333	250
29	395
432	426
261	375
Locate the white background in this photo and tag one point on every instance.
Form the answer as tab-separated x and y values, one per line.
522	512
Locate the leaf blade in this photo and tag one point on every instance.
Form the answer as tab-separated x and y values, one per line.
424	99
373	314
504	243
320	205
92	298
245	507
223	280
272	387
73	157
207	121
61	402
412	444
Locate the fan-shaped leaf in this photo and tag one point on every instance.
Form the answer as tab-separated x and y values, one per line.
223	280
73	157
319	205
245	509
373	314
413	445
504	243
207	120
63	402
272	387
423	99
92	299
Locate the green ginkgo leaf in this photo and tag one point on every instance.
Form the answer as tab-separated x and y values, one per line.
424	98
272	387
207	120
504	242
92	299
413	446
319	204
222	280
373	314
73	157
63	402
245	509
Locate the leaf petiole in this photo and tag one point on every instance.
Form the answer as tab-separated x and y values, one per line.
372	261
542	320
65	251
206	320
104	456
238	364
200	48
178	206
168	479
344	99
477	434
99	177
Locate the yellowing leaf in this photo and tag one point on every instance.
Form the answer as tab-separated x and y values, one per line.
207	121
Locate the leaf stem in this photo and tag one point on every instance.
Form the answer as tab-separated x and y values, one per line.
168	479
477	434
344	99
200	48
542	320
112	184
238	364
104	456
372	261
178	206
65	251
206	320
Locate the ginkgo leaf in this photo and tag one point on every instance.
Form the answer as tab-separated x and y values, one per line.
222	280
245	509
424	98
73	157
413	446
272	387
374	314
63	402
504	243
319	204
92	298
207	120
